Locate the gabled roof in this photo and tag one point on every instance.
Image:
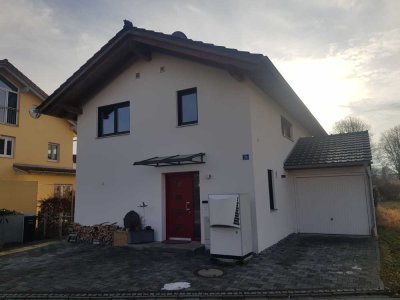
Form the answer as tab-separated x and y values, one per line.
337	150
131	44
12	71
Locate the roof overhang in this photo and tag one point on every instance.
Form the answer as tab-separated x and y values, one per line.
132	44
34	169
25	83
173	160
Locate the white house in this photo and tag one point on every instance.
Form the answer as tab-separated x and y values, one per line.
168	121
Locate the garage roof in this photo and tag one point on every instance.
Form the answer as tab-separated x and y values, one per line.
337	150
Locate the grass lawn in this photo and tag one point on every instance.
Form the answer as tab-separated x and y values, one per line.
388	217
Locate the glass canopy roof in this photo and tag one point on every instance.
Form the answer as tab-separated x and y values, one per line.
173	160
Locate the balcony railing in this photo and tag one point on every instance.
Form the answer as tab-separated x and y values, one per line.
8	115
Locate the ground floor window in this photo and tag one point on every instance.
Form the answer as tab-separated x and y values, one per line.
272	205
62	190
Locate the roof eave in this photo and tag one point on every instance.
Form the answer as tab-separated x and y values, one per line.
35	169
311	123
329	165
23	79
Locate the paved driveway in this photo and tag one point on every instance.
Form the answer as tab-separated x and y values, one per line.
298	262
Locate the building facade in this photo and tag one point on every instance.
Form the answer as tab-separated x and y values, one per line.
171	121
35	153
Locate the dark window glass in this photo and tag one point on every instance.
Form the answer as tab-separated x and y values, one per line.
272	205
114	119
123	119
3	106
52	152
107	121
2	143
12	108
12	100
9	148
187	107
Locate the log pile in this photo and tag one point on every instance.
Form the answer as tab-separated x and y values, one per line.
101	234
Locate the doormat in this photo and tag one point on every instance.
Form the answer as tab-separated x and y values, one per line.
176	242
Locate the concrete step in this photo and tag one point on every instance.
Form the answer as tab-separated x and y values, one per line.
191	248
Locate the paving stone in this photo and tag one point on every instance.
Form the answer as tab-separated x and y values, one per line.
297	262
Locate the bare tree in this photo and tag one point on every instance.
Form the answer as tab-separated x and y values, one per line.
390	147
350	124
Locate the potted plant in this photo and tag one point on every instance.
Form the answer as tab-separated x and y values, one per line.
137	235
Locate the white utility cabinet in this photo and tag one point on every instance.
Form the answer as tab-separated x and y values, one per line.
230	226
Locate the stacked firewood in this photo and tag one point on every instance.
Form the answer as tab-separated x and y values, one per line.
101	234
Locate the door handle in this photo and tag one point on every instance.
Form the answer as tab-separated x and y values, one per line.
187	203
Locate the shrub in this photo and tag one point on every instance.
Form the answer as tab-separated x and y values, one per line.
51	209
388	217
5	211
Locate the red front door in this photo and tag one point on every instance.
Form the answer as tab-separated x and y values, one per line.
179	205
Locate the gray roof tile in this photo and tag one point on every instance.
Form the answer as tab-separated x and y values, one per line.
335	150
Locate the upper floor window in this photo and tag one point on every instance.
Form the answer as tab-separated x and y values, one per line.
187	107
7	146
286	128
53	152
8	102
114	119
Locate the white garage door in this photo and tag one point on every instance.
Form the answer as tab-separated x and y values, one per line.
332	205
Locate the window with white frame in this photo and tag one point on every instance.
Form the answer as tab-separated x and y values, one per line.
53	152
62	190
7	146
8	102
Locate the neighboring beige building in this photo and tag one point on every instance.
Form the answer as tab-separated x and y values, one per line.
35	154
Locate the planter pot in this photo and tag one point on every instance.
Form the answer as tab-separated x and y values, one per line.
120	238
141	236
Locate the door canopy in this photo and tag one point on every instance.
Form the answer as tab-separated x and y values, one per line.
174	160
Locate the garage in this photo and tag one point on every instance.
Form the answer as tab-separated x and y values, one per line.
331	184
332	205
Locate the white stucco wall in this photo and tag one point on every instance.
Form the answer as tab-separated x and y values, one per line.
270	150
108	185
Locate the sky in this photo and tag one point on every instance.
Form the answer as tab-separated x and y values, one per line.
342	57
